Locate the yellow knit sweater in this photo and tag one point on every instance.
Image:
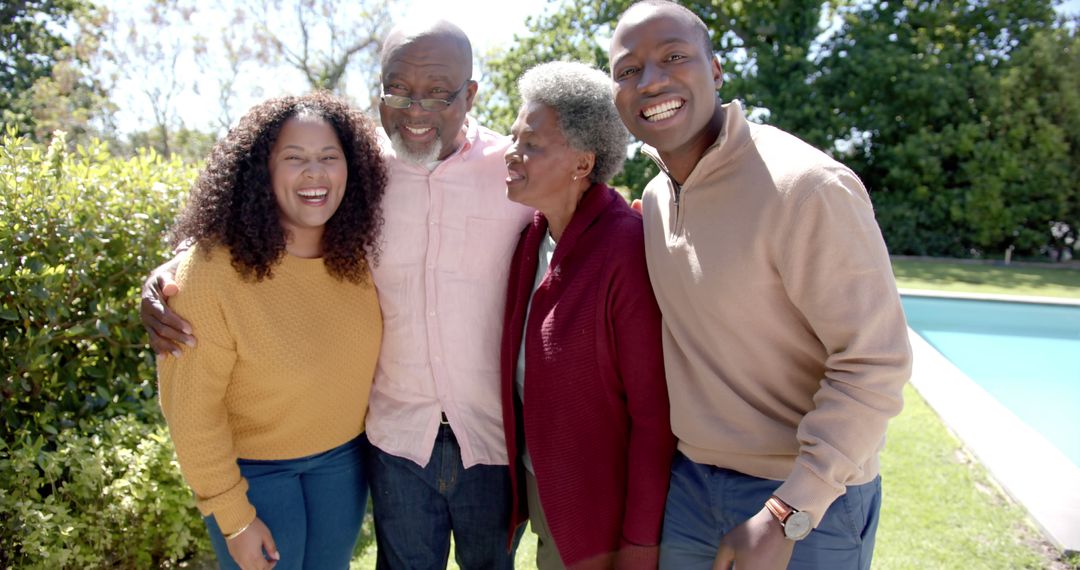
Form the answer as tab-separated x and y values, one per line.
282	370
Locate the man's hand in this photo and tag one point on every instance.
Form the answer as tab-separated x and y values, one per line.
167	330
251	549
757	544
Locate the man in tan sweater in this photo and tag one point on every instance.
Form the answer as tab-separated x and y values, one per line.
785	344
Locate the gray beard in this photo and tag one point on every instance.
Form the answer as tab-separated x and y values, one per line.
422	158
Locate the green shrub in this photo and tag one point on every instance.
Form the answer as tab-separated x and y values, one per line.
78	233
109	495
88	477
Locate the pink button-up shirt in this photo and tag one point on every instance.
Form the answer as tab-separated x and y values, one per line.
446	246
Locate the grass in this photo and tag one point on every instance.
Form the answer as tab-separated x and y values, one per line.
525	557
941	509
977	278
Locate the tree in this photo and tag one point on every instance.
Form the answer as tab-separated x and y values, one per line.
146	51
914	89
46	83
321	39
174	48
29	40
764	46
1026	173
943	108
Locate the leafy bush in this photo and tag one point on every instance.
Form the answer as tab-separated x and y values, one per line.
109	494
78	233
88	476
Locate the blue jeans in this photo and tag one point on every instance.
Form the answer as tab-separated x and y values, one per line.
313	506
705	502
416	508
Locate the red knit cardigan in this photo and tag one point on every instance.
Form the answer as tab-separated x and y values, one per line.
596	414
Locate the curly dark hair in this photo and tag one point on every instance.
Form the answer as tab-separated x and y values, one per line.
232	203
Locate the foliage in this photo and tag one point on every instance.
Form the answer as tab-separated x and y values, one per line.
774	35
106	495
321	39
960	116
1035	173
78	231
919	93
566	34
29	40
189	145
163	52
45	81
88	477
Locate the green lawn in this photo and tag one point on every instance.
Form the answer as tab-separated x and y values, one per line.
999	279
940	509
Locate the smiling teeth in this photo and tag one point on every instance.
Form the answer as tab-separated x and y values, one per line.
312	193
662	111
417	131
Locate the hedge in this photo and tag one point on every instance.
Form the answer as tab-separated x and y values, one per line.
88	477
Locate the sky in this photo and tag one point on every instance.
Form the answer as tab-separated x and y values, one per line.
488	23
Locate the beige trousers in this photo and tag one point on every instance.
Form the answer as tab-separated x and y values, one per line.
547	556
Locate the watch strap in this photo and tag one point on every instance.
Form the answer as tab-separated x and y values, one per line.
779	509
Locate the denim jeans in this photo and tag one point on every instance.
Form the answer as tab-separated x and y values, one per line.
416	508
705	502
313	506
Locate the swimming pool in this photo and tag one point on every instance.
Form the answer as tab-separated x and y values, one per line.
1026	355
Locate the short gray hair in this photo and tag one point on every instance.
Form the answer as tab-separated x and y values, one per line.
580	95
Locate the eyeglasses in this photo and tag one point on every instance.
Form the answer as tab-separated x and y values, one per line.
433	105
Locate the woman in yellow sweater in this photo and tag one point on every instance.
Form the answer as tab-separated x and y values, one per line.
267	411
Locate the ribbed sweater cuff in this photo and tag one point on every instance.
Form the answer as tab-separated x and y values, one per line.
633	556
807	492
231	509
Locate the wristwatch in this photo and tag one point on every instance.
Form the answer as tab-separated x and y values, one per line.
796	523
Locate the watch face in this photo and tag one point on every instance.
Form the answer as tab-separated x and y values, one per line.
797	525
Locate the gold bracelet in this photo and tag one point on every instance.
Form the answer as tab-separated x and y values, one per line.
239	532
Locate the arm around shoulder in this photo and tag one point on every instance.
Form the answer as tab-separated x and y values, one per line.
166	329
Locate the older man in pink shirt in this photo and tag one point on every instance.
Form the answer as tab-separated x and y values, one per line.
437	462
438	456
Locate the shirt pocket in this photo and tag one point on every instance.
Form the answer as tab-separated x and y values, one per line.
489	243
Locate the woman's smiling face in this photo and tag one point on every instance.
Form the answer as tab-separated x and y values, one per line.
308	171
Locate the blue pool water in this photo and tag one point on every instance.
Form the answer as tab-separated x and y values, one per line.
1026	355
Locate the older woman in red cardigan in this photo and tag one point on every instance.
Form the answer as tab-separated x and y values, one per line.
585	404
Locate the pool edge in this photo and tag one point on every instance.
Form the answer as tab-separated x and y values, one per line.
1028	467
990	297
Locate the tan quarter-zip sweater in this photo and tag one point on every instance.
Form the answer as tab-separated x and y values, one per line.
785	344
